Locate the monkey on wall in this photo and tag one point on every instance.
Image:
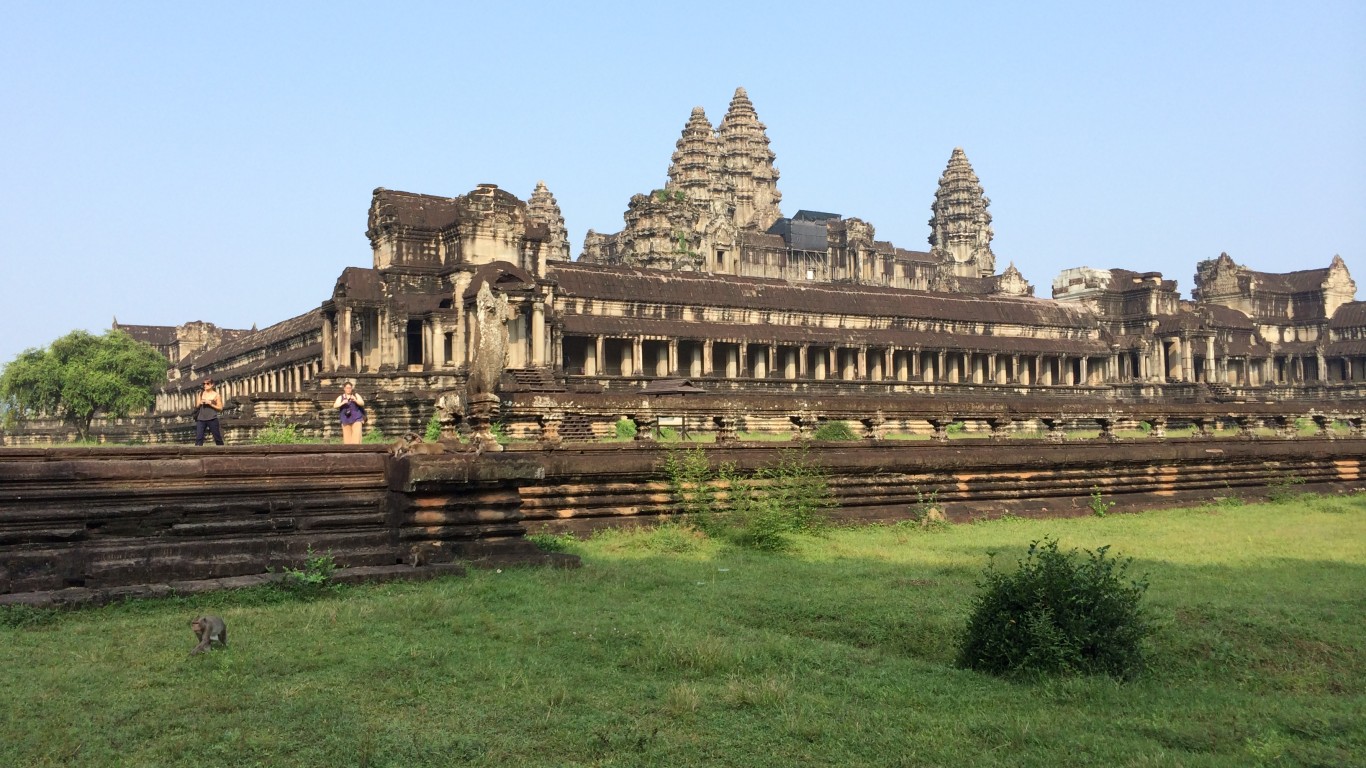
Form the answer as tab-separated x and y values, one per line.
208	629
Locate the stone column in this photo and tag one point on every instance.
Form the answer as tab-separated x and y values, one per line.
1015	374
1084	371
538	332
1159	428
707	362
725	429
1000	427
939	369
550	427
914	354
593	357
673	357
637	359
329	343
344	338
861	364
599	355
873	427
742	361
940	424
1107	429
772	359
803	353
1053	431
1325	427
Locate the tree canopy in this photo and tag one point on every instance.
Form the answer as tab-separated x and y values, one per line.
81	376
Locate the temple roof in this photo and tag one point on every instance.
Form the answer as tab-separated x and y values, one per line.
156	335
295	326
692	288
1349	315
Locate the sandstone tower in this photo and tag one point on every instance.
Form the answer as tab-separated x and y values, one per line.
960	230
721	182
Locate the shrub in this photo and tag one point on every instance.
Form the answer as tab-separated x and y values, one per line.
758	512
374	436
1099	505
834	430
315	575
626	429
956	428
1285	489
551	542
277	432
1057	613
432	433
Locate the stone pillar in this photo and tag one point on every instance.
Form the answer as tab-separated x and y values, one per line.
940	424
742	369
1053	431
939	369
1084	371
916	374
1203	427
344	338
707	362
772	360
803	354
861	364
673	357
538	333
1000	427
329	343
873	427
592	357
646	423
1325	427
1283	426
550	427
1107	429
725	429
637	359
1015	374
1159	429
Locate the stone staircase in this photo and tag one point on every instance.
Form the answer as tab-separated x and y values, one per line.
576	428
531	380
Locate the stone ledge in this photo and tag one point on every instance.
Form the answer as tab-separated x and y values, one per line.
73	596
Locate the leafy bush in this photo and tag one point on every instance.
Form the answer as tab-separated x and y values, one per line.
834	430
374	436
551	542
277	432
1285	489
315	575
1099	505
956	428
1057	613
432	432
626	429
758	512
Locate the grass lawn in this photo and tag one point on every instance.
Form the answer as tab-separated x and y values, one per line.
670	650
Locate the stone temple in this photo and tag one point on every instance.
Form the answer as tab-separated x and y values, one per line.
711	287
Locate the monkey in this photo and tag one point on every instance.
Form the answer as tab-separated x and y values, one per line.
426	553
208	629
413	444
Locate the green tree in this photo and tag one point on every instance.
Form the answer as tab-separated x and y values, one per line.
81	376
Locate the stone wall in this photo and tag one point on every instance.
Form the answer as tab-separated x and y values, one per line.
82	524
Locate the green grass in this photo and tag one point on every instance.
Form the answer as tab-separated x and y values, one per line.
667	649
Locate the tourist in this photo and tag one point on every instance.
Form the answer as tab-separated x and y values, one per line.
351	407
206	411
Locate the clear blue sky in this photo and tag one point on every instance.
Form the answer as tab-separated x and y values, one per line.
175	161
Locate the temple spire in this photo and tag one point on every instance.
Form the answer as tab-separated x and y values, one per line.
696	163
747	162
544	209
960	230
